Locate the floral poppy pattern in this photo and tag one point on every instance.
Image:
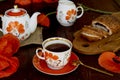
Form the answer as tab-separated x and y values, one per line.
50	55
71	14
15	27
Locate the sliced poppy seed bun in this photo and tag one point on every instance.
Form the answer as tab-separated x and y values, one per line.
116	15
107	23
92	33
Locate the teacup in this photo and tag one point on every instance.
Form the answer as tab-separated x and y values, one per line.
67	12
56	52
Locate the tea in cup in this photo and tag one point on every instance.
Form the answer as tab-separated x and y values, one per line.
56	52
67	12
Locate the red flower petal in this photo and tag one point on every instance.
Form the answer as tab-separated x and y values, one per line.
37	1
3	64
13	40
13	66
106	61
50	1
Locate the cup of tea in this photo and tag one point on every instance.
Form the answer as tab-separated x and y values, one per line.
56	52
67	12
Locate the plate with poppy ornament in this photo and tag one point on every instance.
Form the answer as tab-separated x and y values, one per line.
41	66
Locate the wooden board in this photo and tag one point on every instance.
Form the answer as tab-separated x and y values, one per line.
81	45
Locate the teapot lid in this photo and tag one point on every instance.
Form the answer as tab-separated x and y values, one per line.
15	11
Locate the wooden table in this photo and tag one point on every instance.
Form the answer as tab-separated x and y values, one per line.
25	54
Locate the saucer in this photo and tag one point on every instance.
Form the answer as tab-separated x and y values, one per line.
41	66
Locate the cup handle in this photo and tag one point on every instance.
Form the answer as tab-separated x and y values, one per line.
82	11
37	53
1	18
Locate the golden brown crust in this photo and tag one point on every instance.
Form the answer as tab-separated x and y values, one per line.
109	22
116	15
93	33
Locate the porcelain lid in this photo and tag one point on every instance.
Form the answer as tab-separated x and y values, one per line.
15	11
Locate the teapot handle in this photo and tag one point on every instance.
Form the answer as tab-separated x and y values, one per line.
82	11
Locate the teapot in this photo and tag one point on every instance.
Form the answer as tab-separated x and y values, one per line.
17	22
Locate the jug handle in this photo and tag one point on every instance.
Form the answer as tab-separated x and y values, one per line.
1	30
82	11
1	15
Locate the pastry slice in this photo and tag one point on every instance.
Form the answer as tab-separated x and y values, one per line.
116	15
93	33
108	23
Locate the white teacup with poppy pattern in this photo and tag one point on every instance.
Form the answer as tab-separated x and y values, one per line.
56	52
67	12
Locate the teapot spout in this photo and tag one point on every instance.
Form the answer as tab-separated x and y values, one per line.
33	22
1	16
